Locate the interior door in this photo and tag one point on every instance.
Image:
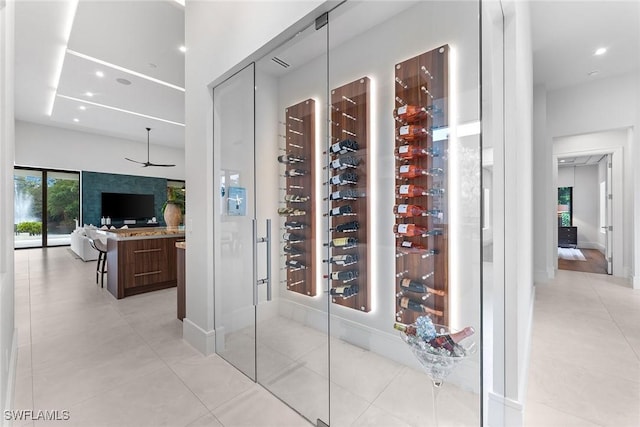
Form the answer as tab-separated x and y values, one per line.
292	321
609	217
234	218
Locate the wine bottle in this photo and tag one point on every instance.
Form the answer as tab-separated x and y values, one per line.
413	286
411	133
295	264
292	173
345	275
294	225
409	304
346	259
341	210
408	247
344	178
290	158
408	152
291	237
345	162
294	198
411	190
291	250
413	171
291	212
345	291
341	242
412	230
410	113
344	194
408	211
344	145
346	227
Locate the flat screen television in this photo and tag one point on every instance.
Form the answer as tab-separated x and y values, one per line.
121	206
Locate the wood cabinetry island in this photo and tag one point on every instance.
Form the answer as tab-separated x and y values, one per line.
141	260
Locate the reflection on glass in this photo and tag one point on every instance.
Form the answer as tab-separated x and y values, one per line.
63	206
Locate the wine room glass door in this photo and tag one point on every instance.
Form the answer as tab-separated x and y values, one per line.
234	219
291	128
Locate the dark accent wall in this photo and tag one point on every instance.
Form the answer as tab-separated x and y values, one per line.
95	183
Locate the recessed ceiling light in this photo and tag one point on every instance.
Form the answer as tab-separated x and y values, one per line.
123	81
182	49
89	94
99	74
600	51
593	73
562	160
82	107
76	120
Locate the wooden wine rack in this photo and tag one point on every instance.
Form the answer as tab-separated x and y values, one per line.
423	81
300	141
349	120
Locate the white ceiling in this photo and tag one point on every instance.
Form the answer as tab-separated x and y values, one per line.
572	161
140	36
567	33
144	36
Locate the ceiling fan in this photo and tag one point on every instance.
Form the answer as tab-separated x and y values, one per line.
148	163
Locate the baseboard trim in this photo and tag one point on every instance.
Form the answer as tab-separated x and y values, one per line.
201	340
11	380
504	412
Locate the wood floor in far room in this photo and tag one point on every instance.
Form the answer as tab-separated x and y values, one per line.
595	262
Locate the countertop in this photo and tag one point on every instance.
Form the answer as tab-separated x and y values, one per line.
142	233
181	245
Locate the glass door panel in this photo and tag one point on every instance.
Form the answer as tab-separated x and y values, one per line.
234	151
292	327
27	187
404	85
63	206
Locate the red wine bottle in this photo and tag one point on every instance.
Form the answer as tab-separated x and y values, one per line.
344	291
345	275
411	133
409	152
346	259
409	304
290	158
420	288
413	171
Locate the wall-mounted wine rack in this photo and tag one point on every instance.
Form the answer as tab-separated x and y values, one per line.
421	115
298	204
348	212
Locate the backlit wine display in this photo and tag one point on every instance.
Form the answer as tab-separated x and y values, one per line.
421	98
347	202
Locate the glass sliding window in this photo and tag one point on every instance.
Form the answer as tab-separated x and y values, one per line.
45	215
62	206
27	208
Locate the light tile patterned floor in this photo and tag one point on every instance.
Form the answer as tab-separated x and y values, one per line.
123	363
585	358
120	363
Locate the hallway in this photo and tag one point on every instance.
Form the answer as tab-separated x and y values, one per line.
585	353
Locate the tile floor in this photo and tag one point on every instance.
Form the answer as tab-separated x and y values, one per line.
585	355
123	363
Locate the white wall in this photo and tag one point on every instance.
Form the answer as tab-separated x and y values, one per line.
544	202
586	202
507	396
8	334
592	108
57	148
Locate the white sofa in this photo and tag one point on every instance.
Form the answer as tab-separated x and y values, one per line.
81	246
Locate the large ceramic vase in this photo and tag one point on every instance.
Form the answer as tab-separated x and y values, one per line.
172	215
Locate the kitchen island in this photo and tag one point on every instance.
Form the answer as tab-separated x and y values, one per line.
141	259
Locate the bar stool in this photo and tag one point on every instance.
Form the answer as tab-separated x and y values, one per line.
101	266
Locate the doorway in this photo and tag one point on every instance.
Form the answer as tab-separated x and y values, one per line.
584	221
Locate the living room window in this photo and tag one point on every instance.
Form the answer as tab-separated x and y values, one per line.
46	206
